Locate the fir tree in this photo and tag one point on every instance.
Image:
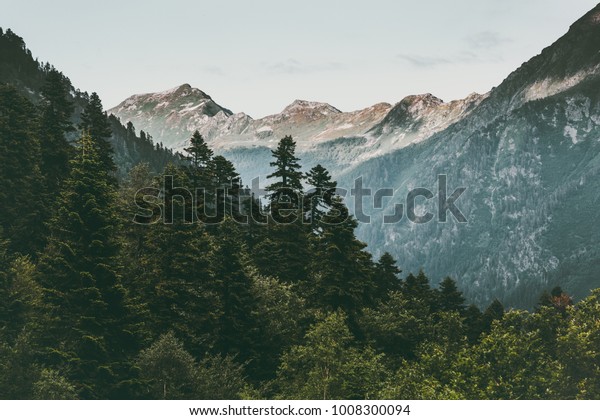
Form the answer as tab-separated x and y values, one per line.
199	153
417	288
94	122
175	274
23	211
449	297
54	123
492	313
320	197
79	271
342	267
287	189
386	276
226	183
237	327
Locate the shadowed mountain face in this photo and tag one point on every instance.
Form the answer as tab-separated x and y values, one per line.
528	154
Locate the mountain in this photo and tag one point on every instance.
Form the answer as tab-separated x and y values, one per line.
529	156
177	112
171	115
527	152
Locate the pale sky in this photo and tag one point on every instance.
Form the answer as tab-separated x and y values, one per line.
258	56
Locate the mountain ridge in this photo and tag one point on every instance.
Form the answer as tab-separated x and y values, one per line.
528	152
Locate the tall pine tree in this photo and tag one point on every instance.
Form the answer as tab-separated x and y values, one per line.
319	198
54	123
286	191
342	268
88	336
94	122
23	210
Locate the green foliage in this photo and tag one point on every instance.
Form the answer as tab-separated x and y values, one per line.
579	349
510	363
168	369
320	196
345	281
288	184
51	385
220	378
20	157
329	365
386	276
94	122
79	272
54	122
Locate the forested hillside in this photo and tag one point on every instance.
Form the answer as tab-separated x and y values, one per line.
135	287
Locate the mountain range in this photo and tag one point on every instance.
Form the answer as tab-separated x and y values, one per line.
527	152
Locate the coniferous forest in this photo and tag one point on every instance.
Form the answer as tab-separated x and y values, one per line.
116	283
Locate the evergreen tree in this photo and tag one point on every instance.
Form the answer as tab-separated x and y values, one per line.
283	251
473	323
88	333
342	267
54	123
449	297
23	211
200	173
320	197
495	311
286	191
226	183
199	153
417	288
22	321
175	274
237	326
386	276
94	122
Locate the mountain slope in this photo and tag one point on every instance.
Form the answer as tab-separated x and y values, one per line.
529	156
528	153
18	68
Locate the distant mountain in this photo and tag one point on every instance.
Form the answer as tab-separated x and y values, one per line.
528	153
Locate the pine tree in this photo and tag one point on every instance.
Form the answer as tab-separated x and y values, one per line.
417	288
54	123
473	323
386	276
449	297
226	183
237	331
283	252
320	197
23	210
287	190
94	122
199	153
492	313
79	272
175	274
342	267
201	176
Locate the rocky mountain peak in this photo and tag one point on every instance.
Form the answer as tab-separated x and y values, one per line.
302	106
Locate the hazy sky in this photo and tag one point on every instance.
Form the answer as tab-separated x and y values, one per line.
258	56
